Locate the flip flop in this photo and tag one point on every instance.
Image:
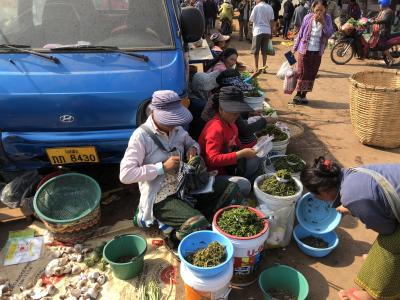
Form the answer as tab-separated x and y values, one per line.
350	293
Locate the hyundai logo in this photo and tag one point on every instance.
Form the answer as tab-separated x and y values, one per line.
67	118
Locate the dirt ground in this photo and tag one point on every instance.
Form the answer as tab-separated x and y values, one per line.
328	132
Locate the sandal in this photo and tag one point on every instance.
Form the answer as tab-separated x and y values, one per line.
297	100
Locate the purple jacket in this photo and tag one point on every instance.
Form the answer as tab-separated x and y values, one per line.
301	43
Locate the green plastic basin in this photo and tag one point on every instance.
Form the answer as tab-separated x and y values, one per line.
126	245
282	277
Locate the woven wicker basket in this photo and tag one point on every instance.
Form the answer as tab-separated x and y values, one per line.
375	107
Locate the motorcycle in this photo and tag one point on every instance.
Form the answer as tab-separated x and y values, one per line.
353	42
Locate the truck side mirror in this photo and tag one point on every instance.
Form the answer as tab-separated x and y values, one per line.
192	24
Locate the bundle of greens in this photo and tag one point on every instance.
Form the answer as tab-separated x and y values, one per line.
240	222
278	134
254	82
213	255
280	184
291	162
150	290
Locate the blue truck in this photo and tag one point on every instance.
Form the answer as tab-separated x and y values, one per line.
76	76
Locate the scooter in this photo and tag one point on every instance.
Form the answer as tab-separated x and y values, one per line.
353	43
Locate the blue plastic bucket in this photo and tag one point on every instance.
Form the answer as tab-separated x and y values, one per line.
317	216
331	238
201	239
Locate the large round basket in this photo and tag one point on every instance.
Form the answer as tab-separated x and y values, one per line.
69	206
375	107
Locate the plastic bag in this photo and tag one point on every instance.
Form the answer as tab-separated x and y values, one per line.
290	82
270	48
283	70
15	191
263	146
281	222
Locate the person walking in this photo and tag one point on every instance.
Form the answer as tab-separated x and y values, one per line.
210	13
372	194
226	16
333	9
310	45
276	7
354	10
298	16
288	10
244	10
262	18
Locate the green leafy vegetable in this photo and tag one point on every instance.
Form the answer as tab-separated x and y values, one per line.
212	256
292	163
275	187
278	134
240	222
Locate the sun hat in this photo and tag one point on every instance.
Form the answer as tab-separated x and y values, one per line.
231	77
231	99
168	109
205	81
218	37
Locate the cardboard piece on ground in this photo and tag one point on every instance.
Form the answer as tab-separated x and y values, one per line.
159	263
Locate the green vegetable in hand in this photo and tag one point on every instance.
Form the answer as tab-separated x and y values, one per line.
240	222
212	256
278	134
277	186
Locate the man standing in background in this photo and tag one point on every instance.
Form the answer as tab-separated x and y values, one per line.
288	10
262	18
244	10
276	6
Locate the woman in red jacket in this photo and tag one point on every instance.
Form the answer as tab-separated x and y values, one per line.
220	144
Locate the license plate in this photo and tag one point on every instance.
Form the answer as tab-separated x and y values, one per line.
72	155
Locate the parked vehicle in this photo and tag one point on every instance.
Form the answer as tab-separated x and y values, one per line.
76	76
353	43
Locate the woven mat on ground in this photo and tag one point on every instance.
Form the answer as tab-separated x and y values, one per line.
159	264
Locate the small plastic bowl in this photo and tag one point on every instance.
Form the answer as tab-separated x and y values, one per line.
331	238
201	239
317	216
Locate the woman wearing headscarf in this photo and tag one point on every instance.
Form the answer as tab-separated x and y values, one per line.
310	44
155	169
220	144
372	194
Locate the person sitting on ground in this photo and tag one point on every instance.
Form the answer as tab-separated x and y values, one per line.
262	18
226	60
155	169
220	144
247	125
310	44
220	43
372	194
299	13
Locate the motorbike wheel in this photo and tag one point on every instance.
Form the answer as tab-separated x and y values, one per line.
342	53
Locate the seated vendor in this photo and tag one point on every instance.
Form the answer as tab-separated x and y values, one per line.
220	43
152	159
225	60
220	144
246	127
372	194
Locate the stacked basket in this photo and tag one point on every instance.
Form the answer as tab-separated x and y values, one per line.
69	206
375	107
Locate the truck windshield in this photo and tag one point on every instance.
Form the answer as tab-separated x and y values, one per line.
46	24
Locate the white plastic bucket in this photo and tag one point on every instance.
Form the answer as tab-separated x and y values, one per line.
247	251
210	288
279	148
281	210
